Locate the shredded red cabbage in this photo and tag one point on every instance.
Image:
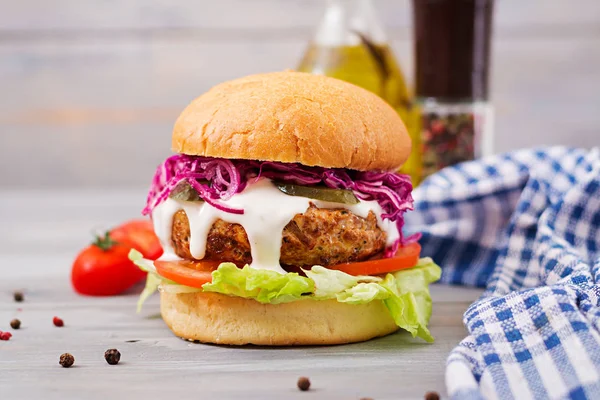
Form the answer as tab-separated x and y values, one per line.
227	177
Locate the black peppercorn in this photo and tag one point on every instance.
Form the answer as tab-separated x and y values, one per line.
303	383
15	324
18	296
432	396
66	360
112	356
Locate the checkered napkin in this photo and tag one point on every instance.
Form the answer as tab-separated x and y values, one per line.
525	225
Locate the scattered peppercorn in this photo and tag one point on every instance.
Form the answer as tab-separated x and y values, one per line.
432	396
112	356
5	335
303	383
15	324
58	322
18	296
66	360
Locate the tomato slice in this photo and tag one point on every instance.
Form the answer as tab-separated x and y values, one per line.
197	273
406	257
188	273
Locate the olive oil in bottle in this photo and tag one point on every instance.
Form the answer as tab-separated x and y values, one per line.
350	45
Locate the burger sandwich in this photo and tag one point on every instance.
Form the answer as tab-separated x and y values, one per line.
281	217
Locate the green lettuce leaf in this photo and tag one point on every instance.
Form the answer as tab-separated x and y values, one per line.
363	293
138	259
153	280
329	282
416	281
410	302
262	285
405	293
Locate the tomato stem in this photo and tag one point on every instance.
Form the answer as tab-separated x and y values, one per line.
105	242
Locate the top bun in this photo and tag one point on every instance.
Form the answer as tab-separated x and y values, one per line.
294	117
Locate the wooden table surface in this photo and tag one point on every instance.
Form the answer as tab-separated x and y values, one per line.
40	233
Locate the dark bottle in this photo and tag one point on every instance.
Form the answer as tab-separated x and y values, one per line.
452	53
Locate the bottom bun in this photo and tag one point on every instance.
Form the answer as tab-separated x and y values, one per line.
221	319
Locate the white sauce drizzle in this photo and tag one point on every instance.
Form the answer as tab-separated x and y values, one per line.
266	213
162	219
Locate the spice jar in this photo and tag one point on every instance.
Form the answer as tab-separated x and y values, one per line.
452	45
350	44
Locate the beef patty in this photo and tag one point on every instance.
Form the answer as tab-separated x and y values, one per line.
318	237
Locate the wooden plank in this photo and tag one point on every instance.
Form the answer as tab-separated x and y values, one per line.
75	107
122	74
546	93
93	99
26	17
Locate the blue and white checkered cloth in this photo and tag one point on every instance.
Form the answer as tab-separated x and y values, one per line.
525	225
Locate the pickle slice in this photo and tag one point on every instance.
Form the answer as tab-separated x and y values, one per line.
184	192
318	193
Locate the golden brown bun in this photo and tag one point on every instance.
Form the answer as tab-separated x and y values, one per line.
221	319
294	117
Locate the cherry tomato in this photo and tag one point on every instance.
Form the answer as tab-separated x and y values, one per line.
406	257
140	235
188	273
103	268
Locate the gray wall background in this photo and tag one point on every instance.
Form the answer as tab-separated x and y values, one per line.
89	90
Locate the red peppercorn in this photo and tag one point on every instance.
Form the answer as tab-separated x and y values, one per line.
58	322
5	336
